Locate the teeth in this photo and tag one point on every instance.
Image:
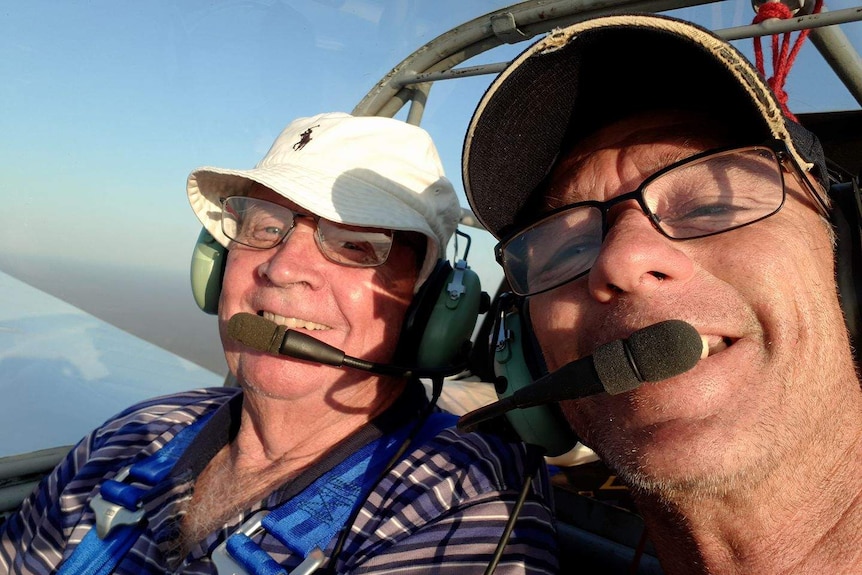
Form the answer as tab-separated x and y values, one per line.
293	322
713	344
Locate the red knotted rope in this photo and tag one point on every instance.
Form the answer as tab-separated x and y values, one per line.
783	55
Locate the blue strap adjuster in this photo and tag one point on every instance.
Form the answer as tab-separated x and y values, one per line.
118	508
113	508
120	503
251	558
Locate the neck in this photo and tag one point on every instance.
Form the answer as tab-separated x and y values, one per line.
277	440
292	433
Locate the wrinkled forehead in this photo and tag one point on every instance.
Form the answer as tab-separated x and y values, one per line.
654	125
634	148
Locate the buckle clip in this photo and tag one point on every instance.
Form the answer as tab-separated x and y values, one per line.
110	514
227	565
224	563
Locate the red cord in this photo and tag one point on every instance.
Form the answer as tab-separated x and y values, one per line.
783	55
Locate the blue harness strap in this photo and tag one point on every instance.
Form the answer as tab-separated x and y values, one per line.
309	521
119	508
312	519
305	524
96	556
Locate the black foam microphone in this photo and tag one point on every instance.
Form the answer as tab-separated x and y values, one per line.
267	336
654	353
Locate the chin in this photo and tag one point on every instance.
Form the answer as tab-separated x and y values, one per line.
677	459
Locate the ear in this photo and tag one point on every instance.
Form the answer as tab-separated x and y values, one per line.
846	219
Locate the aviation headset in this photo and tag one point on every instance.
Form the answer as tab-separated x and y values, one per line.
846	217
438	323
518	361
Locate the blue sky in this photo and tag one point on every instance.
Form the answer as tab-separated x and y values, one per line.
107	105
110	105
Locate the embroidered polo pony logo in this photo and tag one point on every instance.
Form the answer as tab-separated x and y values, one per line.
304	138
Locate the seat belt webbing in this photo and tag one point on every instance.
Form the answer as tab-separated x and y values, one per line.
119	511
309	521
305	524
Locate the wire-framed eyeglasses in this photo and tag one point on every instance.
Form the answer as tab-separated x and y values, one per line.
263	225
707	194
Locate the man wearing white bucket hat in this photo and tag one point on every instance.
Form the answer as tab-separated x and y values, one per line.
326	454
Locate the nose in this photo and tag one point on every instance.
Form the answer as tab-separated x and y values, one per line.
296	259
636	259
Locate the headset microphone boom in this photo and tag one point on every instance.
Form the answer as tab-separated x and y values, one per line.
267	336
656	352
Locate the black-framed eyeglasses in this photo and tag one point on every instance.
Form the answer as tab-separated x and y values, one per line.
263	225
707	194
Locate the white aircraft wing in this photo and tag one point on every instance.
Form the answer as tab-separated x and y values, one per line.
63	371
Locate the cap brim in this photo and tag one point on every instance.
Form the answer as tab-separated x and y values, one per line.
588	75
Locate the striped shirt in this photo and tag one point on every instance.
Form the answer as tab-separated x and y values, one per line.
443	508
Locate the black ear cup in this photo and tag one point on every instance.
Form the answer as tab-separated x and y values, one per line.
542	425
207	269
847	223
440	320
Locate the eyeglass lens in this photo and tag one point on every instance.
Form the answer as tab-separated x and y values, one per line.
262	224
699	197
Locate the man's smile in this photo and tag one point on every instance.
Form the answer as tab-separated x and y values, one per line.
293	322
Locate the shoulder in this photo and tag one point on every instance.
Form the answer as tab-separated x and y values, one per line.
483	461
138	431
448	502
50	515
454	471
153	417
131	435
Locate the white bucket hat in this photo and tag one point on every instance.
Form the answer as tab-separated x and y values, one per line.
363	171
